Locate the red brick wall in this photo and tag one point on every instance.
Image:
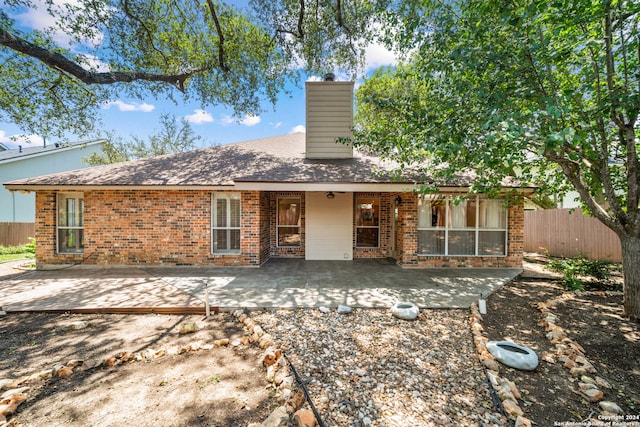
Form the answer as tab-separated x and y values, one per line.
174	228
151	227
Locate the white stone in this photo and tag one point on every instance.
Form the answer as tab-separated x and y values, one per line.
405	310
5	383
324	309
513	355
344	309
278	418
81	324
611	407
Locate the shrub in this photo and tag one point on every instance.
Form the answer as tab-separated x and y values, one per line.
31	246
575	269
29	249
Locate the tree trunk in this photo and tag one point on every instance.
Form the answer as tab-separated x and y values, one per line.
631	274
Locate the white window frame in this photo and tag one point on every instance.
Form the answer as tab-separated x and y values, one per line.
477	229
228	197
278	226
79	201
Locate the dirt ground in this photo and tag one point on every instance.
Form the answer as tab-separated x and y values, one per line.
223	386
611	343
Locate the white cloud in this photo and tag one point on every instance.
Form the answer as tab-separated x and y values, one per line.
246	121
198	117
38	18
123	106
377	55
250	120
93	63
299	128
12	141
227	120
315	79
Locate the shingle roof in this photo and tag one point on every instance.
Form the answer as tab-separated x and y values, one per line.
278	159
274	159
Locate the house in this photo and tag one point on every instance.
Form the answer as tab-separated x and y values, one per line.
298	195
24	162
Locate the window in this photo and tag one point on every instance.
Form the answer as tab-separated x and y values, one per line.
288	227
472	227
367	222
226	223
70	208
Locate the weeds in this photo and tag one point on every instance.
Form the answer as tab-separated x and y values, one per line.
576	270
9	253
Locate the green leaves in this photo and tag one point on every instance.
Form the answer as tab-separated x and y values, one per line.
53	80
544	92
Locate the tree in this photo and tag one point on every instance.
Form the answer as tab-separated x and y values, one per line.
540	91
170	139
54	80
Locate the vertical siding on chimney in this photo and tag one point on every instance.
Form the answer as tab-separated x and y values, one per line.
329	116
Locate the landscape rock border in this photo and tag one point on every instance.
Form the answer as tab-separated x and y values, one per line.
15	391
591	387
280	375
505	389
567	351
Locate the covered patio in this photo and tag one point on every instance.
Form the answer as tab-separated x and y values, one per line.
279	283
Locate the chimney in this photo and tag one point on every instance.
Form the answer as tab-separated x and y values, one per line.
329	107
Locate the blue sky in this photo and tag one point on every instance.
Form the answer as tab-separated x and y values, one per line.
215	124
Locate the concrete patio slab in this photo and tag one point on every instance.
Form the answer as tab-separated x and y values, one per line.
278	283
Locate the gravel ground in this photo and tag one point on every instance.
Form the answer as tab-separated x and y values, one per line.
368	368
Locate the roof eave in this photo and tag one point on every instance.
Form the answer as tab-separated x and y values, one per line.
255	186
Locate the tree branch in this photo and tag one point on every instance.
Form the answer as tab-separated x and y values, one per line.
340	20
608	43
214	16
301	20
572	171
300	30
127	11
59	62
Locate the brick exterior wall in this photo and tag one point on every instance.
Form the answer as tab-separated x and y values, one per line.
153	227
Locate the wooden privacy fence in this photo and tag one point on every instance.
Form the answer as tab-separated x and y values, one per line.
16	233
565	234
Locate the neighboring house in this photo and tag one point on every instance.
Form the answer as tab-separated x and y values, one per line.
297	195
25	162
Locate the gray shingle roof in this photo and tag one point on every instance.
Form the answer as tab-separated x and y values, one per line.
274	159
279	159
